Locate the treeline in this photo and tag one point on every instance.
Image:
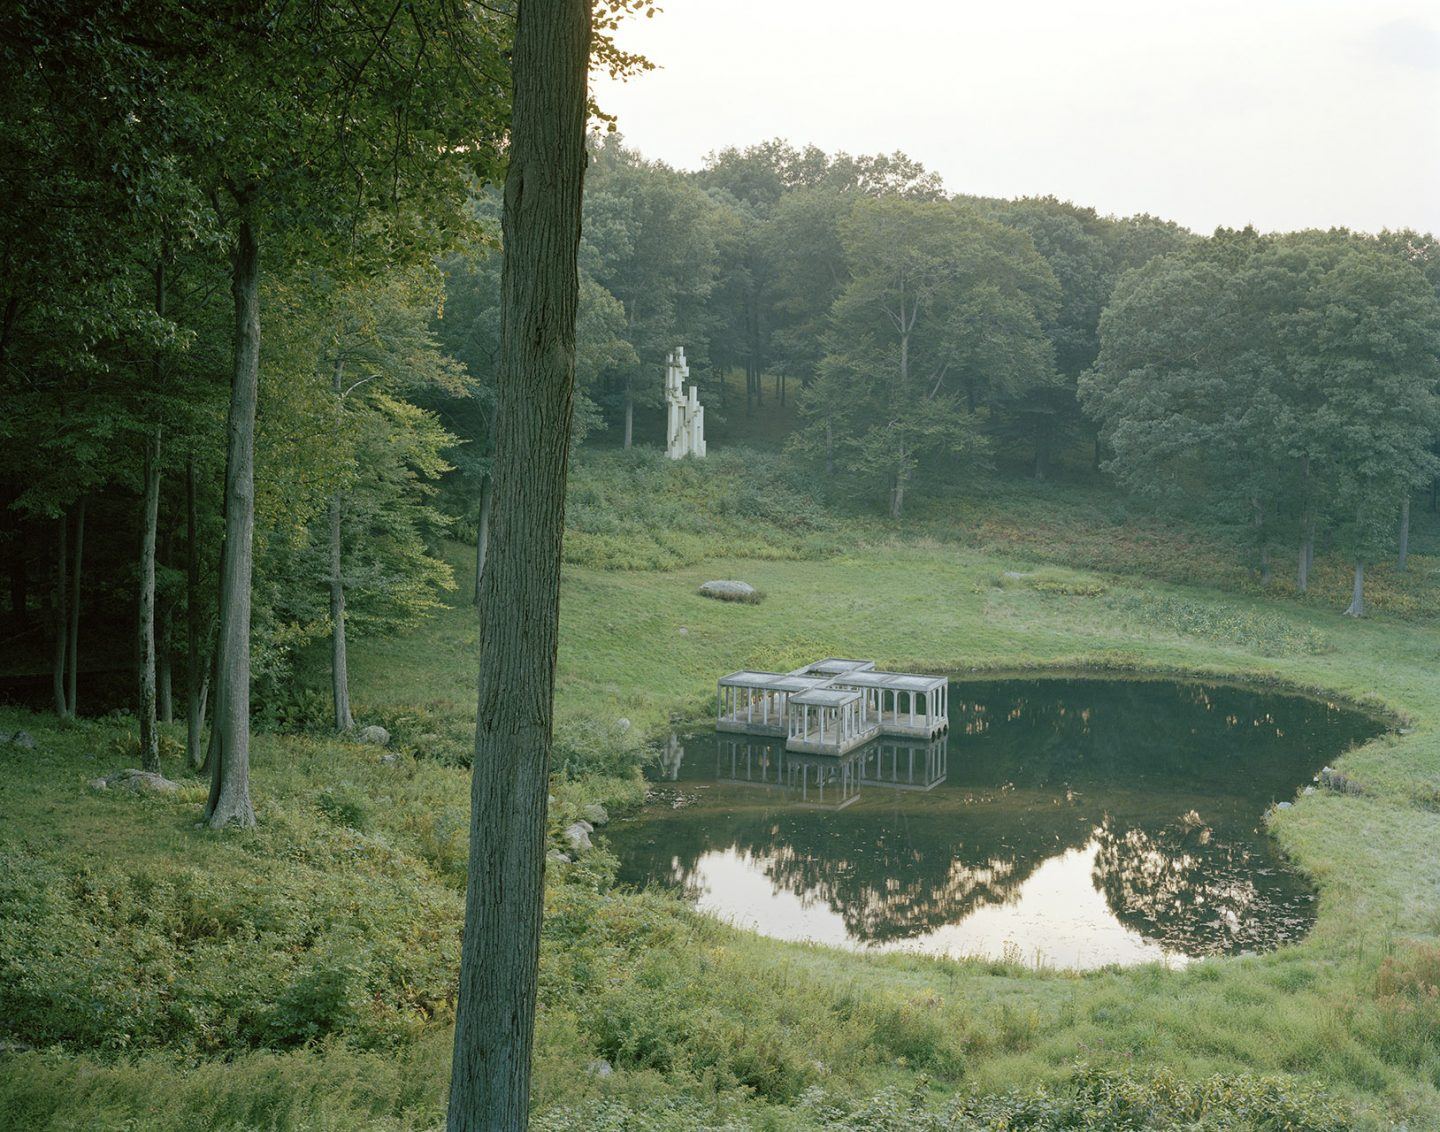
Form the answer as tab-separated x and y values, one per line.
1282	384
1285	381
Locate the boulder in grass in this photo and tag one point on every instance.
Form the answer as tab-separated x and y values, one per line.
136	781
24	740
578	835
374	734
730	590
596	813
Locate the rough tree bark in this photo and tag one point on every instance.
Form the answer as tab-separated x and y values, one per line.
150	518
519	621
62	619
229	800
1404	554
195	682
72	645
482	531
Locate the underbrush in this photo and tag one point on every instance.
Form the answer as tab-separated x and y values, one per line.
1268	634
639	510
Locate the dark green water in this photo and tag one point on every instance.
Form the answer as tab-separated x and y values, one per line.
1068	822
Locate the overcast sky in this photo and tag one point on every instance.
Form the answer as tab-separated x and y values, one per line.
1281	113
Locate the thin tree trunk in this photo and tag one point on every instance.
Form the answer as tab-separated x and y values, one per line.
829	448
629	412
1404	533
62	616
1264	542
194	681
19	578
1357	596
212	680
339	660
72	648
149	522
229	800
482	530
1307	555
495	1015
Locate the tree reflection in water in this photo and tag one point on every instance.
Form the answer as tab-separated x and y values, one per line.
1159	785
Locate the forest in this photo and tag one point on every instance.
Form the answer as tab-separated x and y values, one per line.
252	375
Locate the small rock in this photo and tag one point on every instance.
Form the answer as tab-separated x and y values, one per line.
23	739
1016	574
684	632
729	590
558	857
389	758
599	1068
99	784
1308	790
1283	805
595	812
622	725
374	734
578	834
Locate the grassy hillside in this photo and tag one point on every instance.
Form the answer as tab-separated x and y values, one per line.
302	975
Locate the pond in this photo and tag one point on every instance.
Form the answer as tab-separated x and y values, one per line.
1064	822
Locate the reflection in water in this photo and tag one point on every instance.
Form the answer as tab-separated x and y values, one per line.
1071	822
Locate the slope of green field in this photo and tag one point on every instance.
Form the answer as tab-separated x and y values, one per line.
300	976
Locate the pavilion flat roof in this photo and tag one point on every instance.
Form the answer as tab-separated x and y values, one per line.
834	665
771	681
908	682
825	697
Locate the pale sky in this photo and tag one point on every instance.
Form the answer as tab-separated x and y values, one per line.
1281	113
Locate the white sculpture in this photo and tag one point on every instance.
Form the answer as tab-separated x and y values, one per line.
685	416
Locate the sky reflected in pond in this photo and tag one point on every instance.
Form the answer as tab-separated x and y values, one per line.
1064	822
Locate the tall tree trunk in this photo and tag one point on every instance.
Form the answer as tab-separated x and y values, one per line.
1263	540
1357	596
629	412
72	647
149	522
897	489
19	577
1307	554
194	680
482	530
495	1015
829	448
229	799
339	660
1404	533
62	617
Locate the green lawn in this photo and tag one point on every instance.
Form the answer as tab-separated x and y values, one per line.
701	1022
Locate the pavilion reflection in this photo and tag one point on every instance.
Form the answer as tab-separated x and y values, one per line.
831	781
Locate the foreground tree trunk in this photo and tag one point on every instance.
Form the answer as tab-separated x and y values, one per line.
1357	596
495	1015
1404	534
62	619
229	800
150	518
482	531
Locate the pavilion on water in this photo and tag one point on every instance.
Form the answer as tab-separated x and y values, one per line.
833	706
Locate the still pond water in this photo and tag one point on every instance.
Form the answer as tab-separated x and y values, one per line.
1062	822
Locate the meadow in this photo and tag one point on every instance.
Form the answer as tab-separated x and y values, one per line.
301	975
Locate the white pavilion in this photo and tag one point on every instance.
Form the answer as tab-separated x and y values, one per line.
833	706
